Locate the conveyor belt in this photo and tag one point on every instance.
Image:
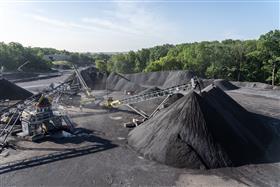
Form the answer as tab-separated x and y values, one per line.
153	95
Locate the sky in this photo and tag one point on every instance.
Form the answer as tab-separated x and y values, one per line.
118	26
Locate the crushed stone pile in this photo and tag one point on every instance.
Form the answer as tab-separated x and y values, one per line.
137	82
224	84
149	106
9	90
149	90
208	131
94	79
163	79
150	78
118	82
255	85
177	78
172	99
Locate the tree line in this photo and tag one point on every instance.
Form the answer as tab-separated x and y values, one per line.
239	60
13	55
246	60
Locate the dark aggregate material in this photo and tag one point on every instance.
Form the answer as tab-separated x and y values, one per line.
118	82
162	79
9	90
224	84
137	82
149	90
105	159
209	130
94	79
204	131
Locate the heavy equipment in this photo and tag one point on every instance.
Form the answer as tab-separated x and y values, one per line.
36	116
41	114
33	119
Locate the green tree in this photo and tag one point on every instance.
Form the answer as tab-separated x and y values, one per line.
269	47
101	65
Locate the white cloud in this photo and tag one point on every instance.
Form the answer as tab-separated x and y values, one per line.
109	25
131	18
59	23
118	27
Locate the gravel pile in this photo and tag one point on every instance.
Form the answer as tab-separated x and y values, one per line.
94	79
208	131
150	105
162	78
138	82
221	83
255	85
9	90
149	79
118	82
149	90
224	84
177	78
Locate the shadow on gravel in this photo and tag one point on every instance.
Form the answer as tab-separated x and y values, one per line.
99	145
273	148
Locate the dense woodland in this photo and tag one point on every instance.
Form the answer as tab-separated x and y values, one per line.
246	60
249	60
13	55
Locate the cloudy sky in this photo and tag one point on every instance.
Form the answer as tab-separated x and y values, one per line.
110	26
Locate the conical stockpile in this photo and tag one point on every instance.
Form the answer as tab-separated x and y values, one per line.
202	131
11	91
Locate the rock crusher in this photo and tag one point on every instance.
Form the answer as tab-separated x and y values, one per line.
39	120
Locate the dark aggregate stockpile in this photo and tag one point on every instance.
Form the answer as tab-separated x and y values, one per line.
255	85
224	84
150	79
138	82
177	78
221	83
150	105
179	136
173	98
11	91
207	131
162	78
94	79
149	90
118	82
